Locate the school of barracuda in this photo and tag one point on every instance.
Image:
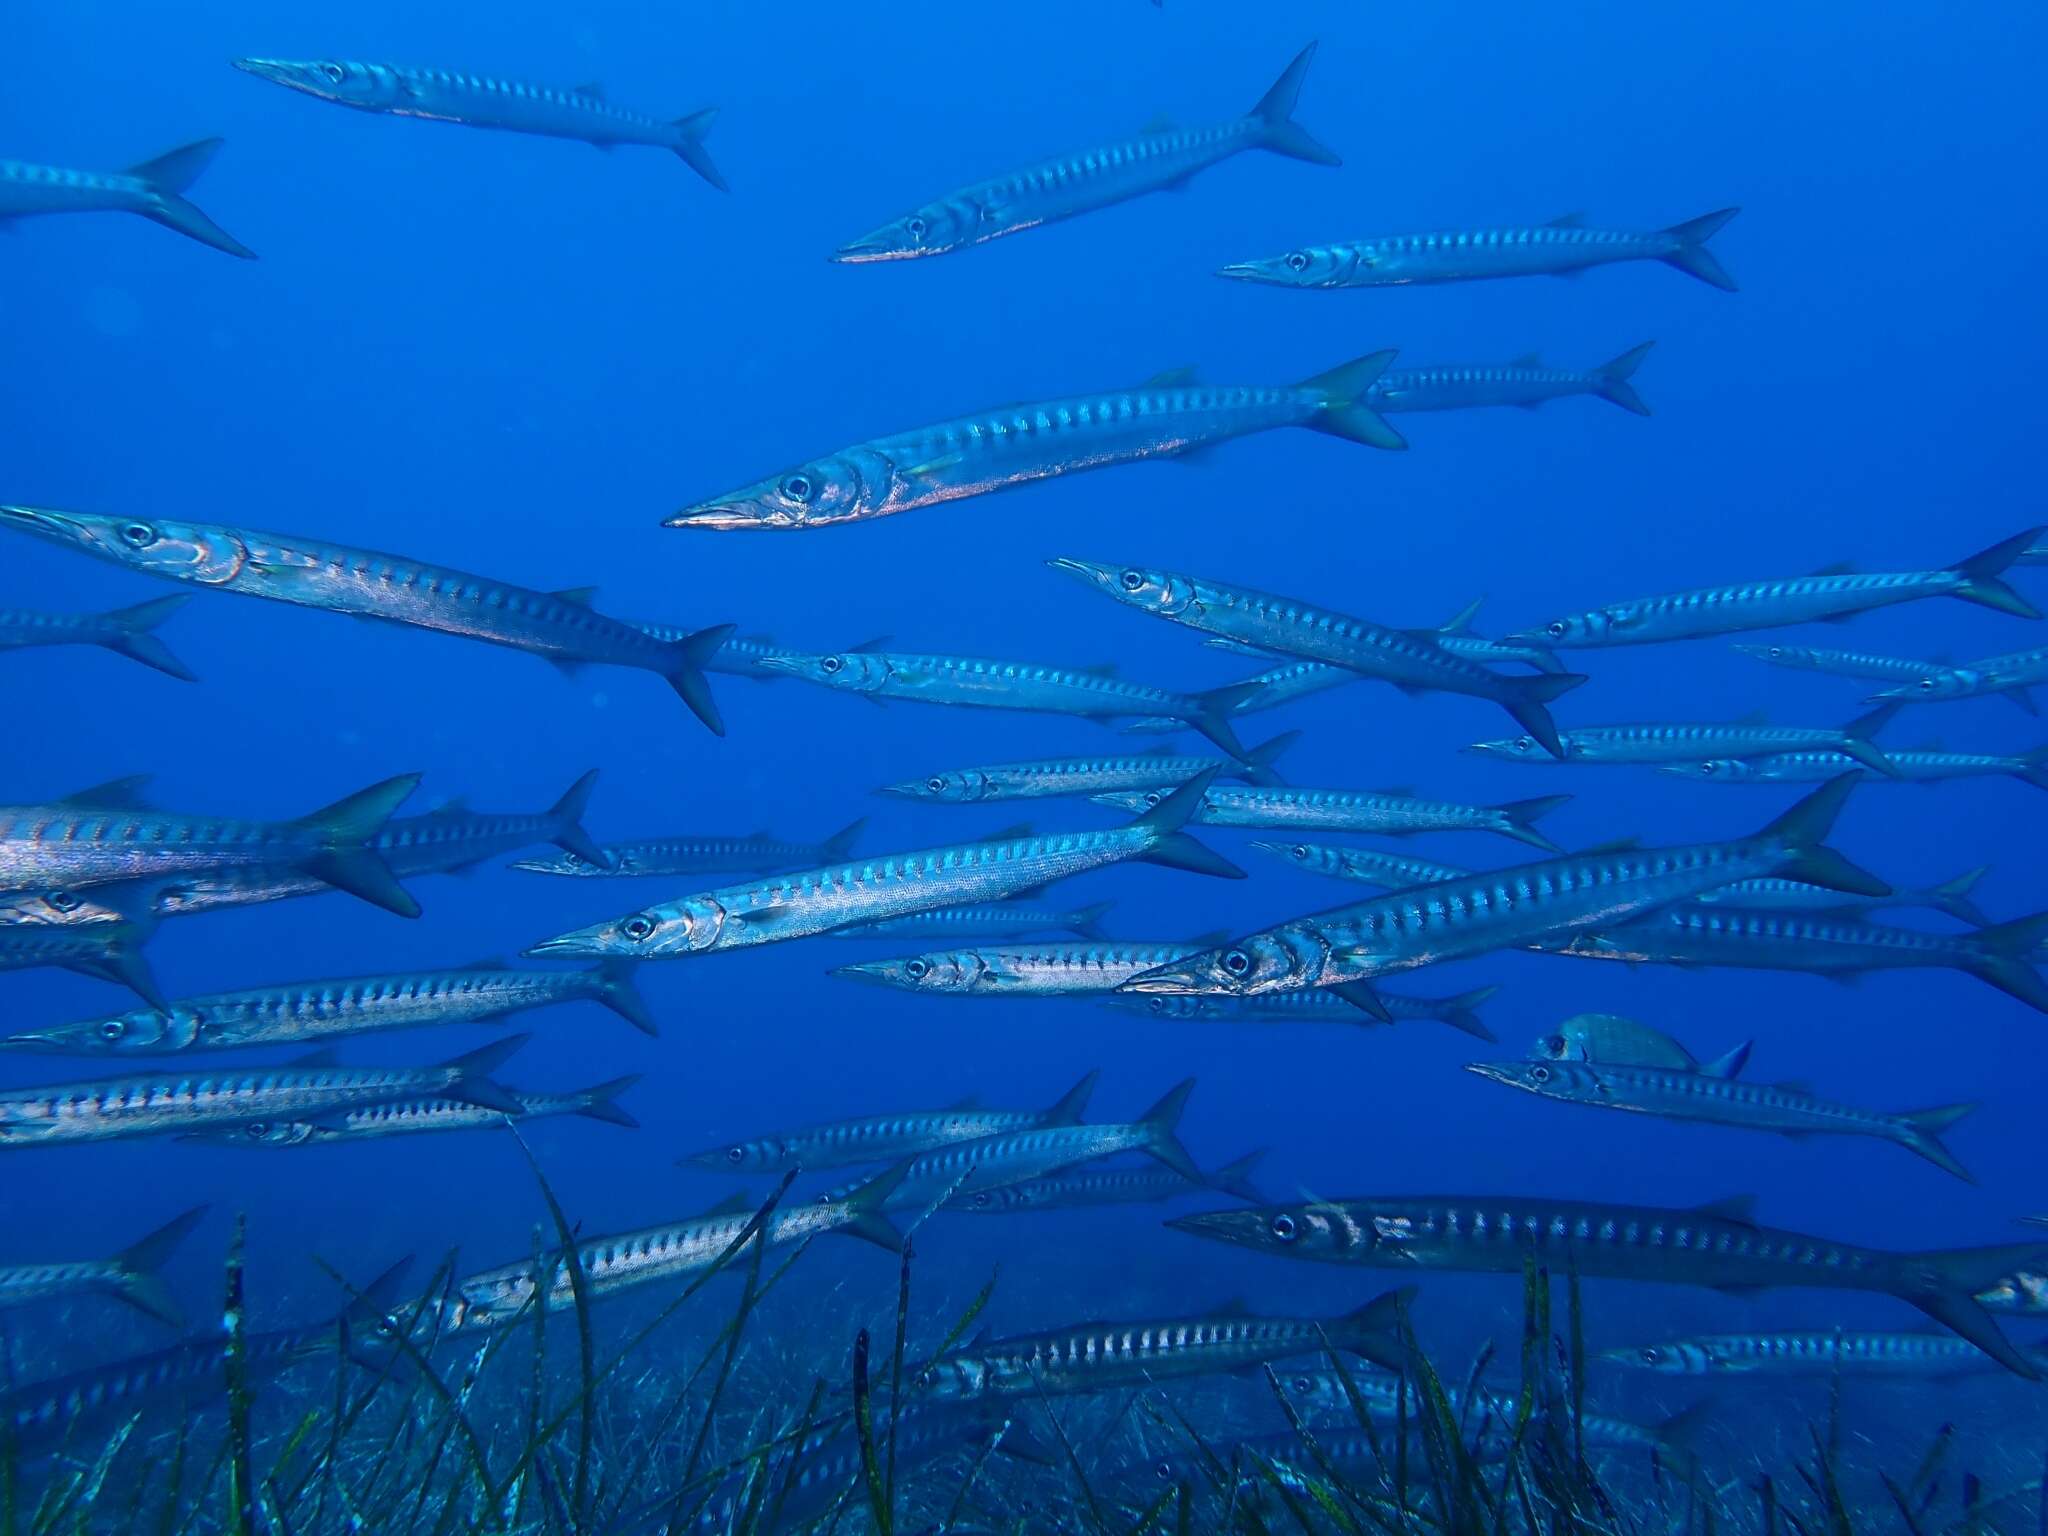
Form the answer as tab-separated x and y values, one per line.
88	878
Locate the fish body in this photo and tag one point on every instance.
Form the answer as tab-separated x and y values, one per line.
1365	866
1833	1353
989	921
2012	674
1079	1188
1058	776
1410	659
482	101
1161	158
895	885
62	1114
1718	1245
130	1275
1018	444
1081	969
1463	255
1314	1006
1507	908
886	1138
125	631
1822	597
1950	897
1352	810
303	1012
154	189
1837	663
105	951
758	853
1927	765
560	627
1274	687
1527	382
1693	742
408	1117
1716	1099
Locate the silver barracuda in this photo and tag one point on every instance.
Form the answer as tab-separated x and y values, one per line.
886	1138
1465	255
687	854
107	833
2008	676
628	1260
409	1117
1823	945
981	683
1274	687
1104	1357
560	627
1352	810
1724	1099
130	1275
1533	903
1692	742
109	904
484	101
1526	382
104	951
1456	636
297	1013
155	189
1086	968
1833	1353
1314	1007
1835	663
1164	157
1821	597
1321	1391
1922	765
124	631
1410	659
995	921
158	1104
1089	1187
1718	1245
1051	777
1949	897
1017	444
896	885
1364	866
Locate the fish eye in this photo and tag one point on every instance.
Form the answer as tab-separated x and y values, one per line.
1555	1044
1650	1356
1539	1074
1132	580
1156	1004
797	488
1152	799
138	535
981	1199
333	72
1297	261
1927	685
1776	653
1237	962
1284	1228
916	227
735	1154
915	970
637	927
1708	768
113	1029
1303	1384
65	901
935	784
830	665
1555	629
258	1129
1300	850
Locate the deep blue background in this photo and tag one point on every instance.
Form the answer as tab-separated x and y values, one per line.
516	356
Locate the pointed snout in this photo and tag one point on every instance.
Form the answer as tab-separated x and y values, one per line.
1506	1073
1086	570
278	71
1243	271
717	514
874	973
46	521
1167	980
1240	1226
584	941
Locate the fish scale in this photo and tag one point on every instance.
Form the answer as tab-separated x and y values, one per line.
1055	776
1911	765
988	920
1043	970
1350	810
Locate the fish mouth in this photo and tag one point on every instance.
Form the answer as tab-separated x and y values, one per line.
539	866
724	515
280	71
1167	981
584	941
879	246
873	973
1495	1072
1532	637
1224	1226
29	1042
909	789
1244	271
1085	570
788	664
47	522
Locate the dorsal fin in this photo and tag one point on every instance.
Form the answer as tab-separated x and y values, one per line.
981	1336
1099	669
1567	221
1528	360
1934	745
732	1205
1172	378
1839	568
1397	791
1009	834
1729	1063
1794	1085
762	836
1754	717
1461	622
456	806
313	1060
1161	123
488	963
1164	749
592	89
1612	845
1740	1208
123	794
1237	1306
1215	938
972	1101
869	647
582	597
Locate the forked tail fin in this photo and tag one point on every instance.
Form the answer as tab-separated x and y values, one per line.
690	131
1086	923
1275	112
1526	700
1920	1132
2002	956
1257	764
1952	898
567	815
1520	818
1944	1284
1068	1108
1983	576
684	670
169	176
600	1102
1235	1179
1172	847
344	860
140	1285
132	637
1807	858
1346	412
1160	1123
1613	380
616	991
1690	254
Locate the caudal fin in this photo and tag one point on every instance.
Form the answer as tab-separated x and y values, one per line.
1802	830
2035	768
616	991
1462	1012
1160	1123
600	1102
1858	733
1944	1284
472	1082
567	815
1235	1179
684	670
1952	897
1690	253
1521	816
1920	1131
168	176
132	637
1345	412
344	860
1086	923
1526	699
1983	575
1275	112
865	1209
836	848
1068	1108
1257	764
1213	712
1614	378
690	131
2001	957
1172	847
1373	1330
140	1285
120	961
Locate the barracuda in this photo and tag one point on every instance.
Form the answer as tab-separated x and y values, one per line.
1834	1353
560	627
1089	1187
991	921
124	631
1363	866
1315	1007
1456	636
1689	743
1410	659
130	1275
159	1104
1718	1245
104	951
1161	158
483	101
1821	597
1463	255
1102	1357
1353	810
759	852
886	1138
1526	382
1083	969
815	901
1530	904
301	1012
1050	777
1018	444
1320	1391
1274	687
153	189
2009	676
979	683
1824	946
106	834
1926	765
1864	664
1723	1099
407	1117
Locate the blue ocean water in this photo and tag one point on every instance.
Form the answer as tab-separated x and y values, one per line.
515	356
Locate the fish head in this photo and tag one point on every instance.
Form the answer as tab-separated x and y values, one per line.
1303	855
850	671
959	971
1165	593
1592	627
372	87
269	1133
1675	1359
2024	1291
1300	1231
1949	683
955	1380
961	786
56	908
1779	655
1549	1078
1315	267
141	1032
1274	961
1726	770
1136	801
1169	1009
843	486
563	863
741	1156
202	552
932	230
1521	749
674	928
